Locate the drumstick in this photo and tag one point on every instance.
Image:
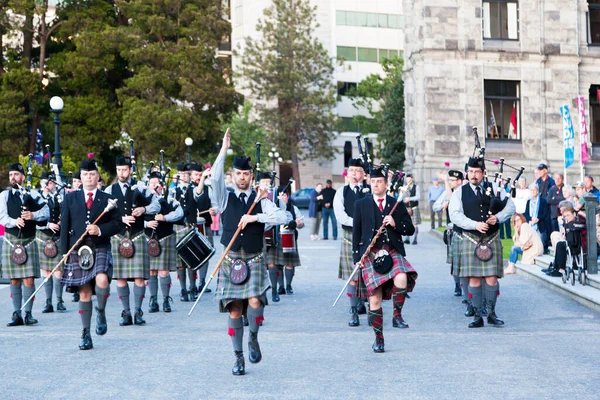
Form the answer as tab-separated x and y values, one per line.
235	235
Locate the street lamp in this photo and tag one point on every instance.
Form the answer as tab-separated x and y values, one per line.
189	142
56	106
274	156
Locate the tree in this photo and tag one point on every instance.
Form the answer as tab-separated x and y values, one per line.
289	72
383	98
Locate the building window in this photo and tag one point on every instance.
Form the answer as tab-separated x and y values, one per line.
502	109
367	55
347	53
594	122
345	87
383	21
347	125
371	20
500	20
593	22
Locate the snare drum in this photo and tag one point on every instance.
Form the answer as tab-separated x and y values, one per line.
200	225
288	240
194	249
270	238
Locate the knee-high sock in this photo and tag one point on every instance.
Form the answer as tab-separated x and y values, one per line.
377	322
192	276
255	318
123	293
48	288
202	274
58	288
153	285
289	275
236	331
27	292
138	296
456	280
491	295
273	272
464	284
280	275
414	236
85	310
399	297
476	295
484	287
102	295
16	293
181	276
165	285
351	292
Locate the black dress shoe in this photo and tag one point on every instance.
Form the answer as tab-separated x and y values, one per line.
126	319
184	295
354	321
379	346
493	319
137	319
484	310
398	322
245	320
465	301
414	241
48	308
76	297
254	349
86	340
545	270
289	289
554	273
361	309
477	323
281	291
193	293
153	305
239	368
17	320
275	296
202	287
457	290
29	320
167	304
60	305
470	311
407	241
101	325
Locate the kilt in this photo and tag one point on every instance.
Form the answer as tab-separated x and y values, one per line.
31	269
47	264
416	216
167	260
137	266
371	280
346	260
74	276
467	265
211	237
256	286
180	232
275	255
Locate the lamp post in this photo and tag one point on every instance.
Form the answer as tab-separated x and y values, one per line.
56	106
189	142
274	156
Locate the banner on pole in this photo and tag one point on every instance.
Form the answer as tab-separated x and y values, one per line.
582	130
569	136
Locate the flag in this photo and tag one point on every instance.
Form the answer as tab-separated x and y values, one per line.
494	128
582	130
569	136
512	133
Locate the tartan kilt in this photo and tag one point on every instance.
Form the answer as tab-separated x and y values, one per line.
180	232
416	216
346	260
137	266
467	265
275	255
256	286
31	269
74	276
167	260
47	264
371	280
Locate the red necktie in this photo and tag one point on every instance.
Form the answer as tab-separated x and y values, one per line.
380	204
90	200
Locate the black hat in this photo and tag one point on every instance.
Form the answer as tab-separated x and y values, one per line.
77	175
456	174
195	167
476	162
16	167
123	161
542	166
356	162
51	177
329	182
88	165
242	163
155	174
264	175
378	172
45	175
182	167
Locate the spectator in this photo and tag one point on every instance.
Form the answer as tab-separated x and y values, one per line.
588	182
573	232
555	196
314	210
327	210
527	243
536	212
569	196
579	193
433	194
544	182
522	196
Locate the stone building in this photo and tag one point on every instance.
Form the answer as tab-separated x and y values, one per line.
470	63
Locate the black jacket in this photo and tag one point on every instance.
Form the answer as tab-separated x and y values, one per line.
555	196
328	195
365	225
73	219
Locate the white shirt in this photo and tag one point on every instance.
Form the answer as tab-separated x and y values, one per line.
376	199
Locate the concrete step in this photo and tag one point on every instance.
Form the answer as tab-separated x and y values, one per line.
545	260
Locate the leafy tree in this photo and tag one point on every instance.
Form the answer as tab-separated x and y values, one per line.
289	72
383	98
